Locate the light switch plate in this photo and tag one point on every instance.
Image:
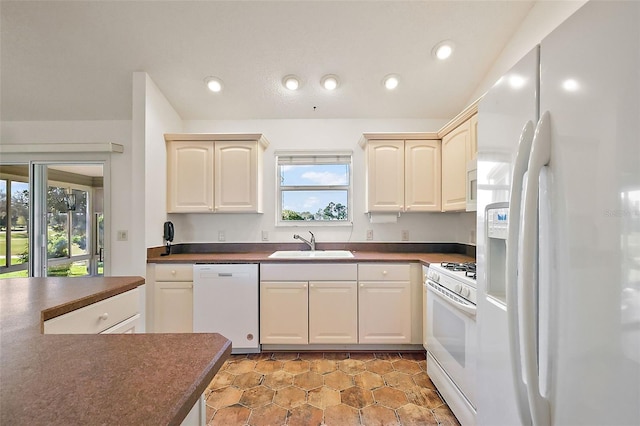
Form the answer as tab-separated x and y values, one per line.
405	235
265	235
369	234
122	235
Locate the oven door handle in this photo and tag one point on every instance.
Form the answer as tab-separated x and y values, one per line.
433	287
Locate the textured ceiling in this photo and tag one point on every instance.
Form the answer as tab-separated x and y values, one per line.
74	60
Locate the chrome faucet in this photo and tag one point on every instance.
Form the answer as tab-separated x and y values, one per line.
311	244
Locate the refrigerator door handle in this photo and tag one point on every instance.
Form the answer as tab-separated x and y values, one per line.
515	201
540	156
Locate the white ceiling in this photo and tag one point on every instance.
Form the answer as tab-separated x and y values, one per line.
74	60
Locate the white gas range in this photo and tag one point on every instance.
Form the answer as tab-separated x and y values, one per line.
450	338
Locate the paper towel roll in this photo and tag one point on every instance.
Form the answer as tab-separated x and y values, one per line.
383	217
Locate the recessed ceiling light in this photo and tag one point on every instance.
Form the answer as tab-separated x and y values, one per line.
391	81
443	50
330	82
214	84
291	82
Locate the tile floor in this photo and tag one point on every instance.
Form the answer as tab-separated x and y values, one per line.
331	388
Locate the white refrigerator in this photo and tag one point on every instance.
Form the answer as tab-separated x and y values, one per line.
558	252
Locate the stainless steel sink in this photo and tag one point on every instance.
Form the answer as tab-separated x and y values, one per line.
308	254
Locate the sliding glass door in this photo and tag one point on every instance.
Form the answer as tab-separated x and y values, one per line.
51	219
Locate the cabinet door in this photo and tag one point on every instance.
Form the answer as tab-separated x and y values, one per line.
422	175
454	168
473	138
129	326
236	167
284	313
333	312
173	307
189	177
384	312
385	176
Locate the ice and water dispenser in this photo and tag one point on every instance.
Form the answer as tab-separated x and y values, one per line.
497	225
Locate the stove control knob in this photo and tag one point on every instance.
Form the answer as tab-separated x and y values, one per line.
465	292
458	289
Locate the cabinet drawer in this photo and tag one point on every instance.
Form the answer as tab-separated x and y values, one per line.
174	272
384	272
309	272
96	317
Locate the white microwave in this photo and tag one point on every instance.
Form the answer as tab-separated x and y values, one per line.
472	185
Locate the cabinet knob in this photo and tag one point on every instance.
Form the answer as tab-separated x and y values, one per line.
362	285
310	285
173	272
384	272
304	286
104	316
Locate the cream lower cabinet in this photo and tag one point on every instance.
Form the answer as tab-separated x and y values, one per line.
384	304
308	304
117	314
284	312
173	298
333	312
214	173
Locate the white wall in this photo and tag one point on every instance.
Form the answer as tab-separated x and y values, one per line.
543	18
317	134
124	261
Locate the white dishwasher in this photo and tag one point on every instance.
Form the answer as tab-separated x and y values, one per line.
225	301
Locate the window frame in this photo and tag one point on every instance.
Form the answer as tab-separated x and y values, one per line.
283	158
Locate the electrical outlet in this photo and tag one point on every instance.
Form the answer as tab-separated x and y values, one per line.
122	236
405	235
265	235
221	236
369	234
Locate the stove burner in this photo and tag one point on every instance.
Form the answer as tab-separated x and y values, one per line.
468	267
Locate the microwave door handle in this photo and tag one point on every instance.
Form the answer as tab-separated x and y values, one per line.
512	260
540	156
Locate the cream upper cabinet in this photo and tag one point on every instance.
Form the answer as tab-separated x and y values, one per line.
238	175
473	138
189	176
455	149
385	176
219	173
422	175
403	173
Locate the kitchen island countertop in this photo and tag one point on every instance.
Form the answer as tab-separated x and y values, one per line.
94	379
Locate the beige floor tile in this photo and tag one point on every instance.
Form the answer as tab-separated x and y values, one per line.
398	380
406	366
305	415
228	416
351	366
248	380
239	366
445	417
308	380
377	415
221	380
379	366
424	397
296	366
311	356
269	415
268	366
224	397
413	415
362	356
285	356
422	379
390	397
423	365
323	397
278	380
257	397
341	415
368	380
336	356
388	356
356	397
323	366
290	397
338	380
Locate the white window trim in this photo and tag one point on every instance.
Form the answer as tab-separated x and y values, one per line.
313	223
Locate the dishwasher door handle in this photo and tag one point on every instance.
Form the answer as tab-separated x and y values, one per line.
225	274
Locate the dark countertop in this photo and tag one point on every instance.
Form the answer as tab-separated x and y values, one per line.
94	379
263	257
